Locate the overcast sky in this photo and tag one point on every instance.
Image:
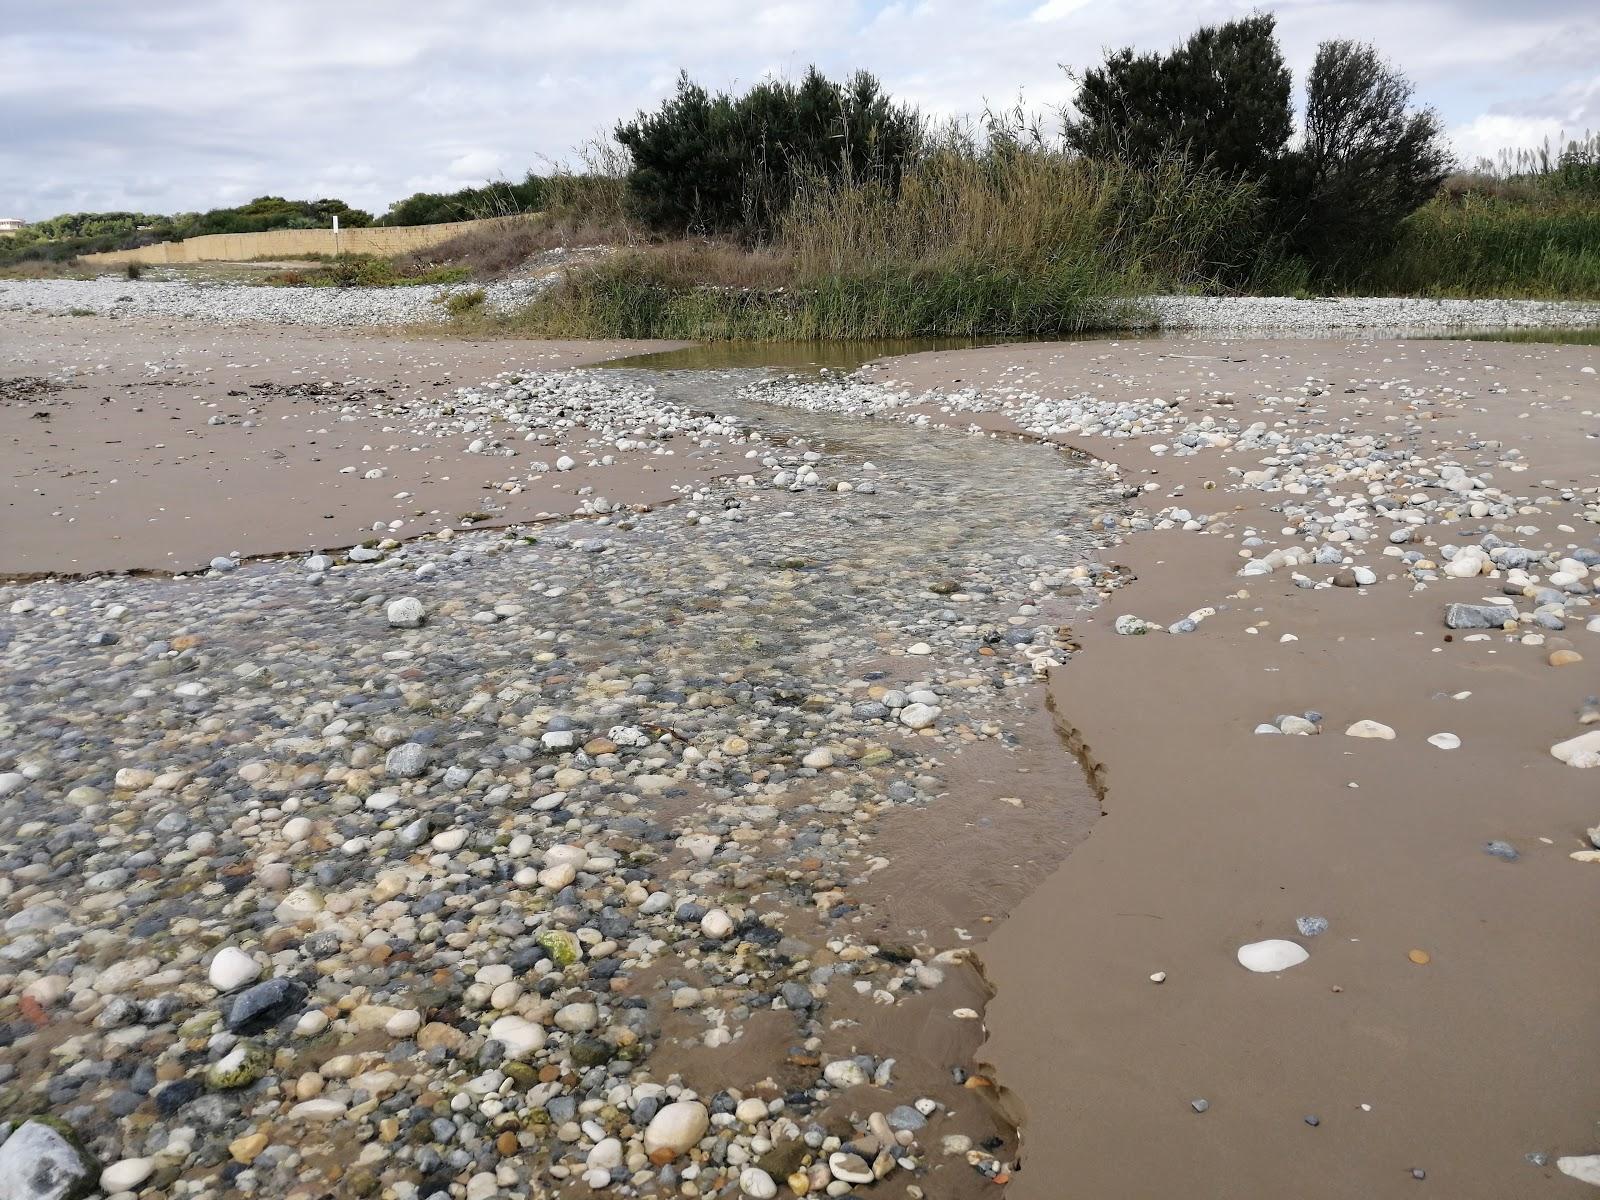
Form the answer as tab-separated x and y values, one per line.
173	105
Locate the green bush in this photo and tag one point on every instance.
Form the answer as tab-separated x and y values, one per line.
497	199
1484	246
1368	161
725	164
1007	242
457	303
1221	99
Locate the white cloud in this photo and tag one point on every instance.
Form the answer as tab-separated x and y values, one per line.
192	103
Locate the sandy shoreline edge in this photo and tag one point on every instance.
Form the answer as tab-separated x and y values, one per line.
1216	836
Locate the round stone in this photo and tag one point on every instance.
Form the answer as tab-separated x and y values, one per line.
231	968
405	613
675	1128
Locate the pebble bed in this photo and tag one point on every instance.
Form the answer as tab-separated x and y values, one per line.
390	876
328	876
236	303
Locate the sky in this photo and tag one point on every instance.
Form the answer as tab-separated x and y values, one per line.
181	105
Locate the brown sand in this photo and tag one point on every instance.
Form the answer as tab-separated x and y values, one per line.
1215	836
119	469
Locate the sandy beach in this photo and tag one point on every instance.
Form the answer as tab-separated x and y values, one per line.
159	447
1215	836
870	791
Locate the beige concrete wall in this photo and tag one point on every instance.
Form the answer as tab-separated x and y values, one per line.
289	243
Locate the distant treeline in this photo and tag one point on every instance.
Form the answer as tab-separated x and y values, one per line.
71	234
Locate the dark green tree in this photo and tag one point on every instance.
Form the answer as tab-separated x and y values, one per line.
499	198
731	164
1368	162
1221	98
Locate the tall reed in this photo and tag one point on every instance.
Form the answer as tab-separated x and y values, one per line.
1008	241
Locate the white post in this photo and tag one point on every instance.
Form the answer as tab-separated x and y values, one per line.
336	235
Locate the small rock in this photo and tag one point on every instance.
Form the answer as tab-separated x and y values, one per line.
1370	729
405	613
232	968
675	1129
1584	1168
757	1184
1275	954
126	1175
37	1163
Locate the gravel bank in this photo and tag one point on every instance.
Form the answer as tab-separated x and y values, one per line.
560	864
1285	314
229	304
232	304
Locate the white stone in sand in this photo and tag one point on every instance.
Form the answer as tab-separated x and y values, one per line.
1584	1168
405	613
1275	954
232	968
1370	729
521	1037
716	924
677	1127
757	1184
1445	741
1581	751
126	1175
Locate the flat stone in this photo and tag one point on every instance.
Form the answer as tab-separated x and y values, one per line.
520	1036
1370	729
1581	751
1584	1168
851	1168
126	1175
1272	955
264	1004
1478	616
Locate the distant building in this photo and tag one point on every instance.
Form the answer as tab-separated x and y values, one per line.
10	225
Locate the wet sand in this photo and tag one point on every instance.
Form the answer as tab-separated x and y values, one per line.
119	467
1212	836
1215	836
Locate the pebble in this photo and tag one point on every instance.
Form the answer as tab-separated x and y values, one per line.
1274	954
676	1128
1370	729
126	1175
231	969
405	613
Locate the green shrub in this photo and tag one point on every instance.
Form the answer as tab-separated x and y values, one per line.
1220	99
1368	161
1006	242
1484	246
499	198
706	163
457	303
